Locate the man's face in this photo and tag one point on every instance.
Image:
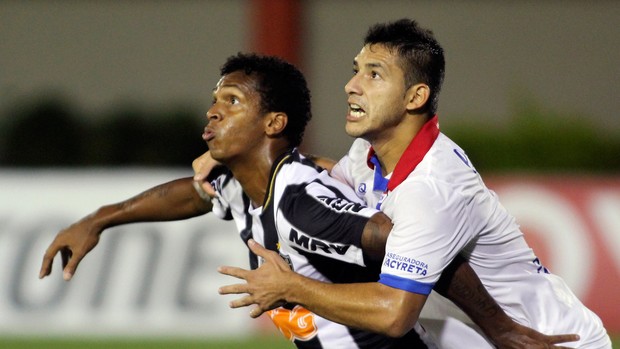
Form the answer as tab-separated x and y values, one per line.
235	126
376	94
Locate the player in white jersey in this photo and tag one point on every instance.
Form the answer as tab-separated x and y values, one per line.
260	108
443	205
439	206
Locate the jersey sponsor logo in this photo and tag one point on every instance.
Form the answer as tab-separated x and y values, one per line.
340	204
312	244
295	324
402	263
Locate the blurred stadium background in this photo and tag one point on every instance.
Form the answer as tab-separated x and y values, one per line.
101	100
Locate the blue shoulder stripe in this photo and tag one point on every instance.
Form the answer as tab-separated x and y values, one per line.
405	284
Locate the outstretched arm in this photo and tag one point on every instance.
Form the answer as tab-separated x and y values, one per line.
174	200
386	310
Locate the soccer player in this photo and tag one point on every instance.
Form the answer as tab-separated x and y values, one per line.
403	165
260	109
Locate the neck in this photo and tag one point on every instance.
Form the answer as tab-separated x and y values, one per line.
391	143
253	170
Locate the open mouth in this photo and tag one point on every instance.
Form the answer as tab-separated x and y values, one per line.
355	111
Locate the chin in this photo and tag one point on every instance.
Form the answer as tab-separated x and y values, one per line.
217	154
353	131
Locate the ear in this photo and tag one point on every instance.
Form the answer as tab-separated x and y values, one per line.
417	96
275	123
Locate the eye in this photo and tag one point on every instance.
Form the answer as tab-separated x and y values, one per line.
234	100
355	71
374	75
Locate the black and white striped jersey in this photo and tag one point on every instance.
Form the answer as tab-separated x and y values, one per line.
315	222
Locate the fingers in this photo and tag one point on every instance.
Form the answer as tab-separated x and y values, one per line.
201	173
237	272
208	188
233	289
562	338
242	302
204	194
198	165
202	166
72	263
46	265
256	312
258	249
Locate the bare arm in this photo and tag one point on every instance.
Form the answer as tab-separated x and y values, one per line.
174	200
386	310
461	285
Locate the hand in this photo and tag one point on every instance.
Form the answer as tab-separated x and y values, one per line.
264	286
73	243
524	337
203	165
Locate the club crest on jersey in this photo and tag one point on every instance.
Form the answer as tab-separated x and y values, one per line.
288	260
361	188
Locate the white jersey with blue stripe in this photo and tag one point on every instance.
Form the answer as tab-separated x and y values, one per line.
442	209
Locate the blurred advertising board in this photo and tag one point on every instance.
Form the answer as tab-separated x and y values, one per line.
573	225
155	279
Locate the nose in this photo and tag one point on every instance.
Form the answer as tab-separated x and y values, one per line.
352	87
213	114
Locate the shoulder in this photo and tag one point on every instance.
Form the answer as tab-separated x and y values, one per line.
227	187
359	149
446	162
353	163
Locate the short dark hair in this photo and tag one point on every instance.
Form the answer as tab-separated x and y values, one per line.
420	54
282	88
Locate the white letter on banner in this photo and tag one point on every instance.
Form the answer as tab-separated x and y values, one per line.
605	210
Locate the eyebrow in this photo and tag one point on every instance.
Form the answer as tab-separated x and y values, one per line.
369	65
373	65
226	86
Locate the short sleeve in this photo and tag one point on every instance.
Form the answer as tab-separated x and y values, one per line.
429	230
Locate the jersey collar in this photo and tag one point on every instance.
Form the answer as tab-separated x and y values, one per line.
275	168
415	152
